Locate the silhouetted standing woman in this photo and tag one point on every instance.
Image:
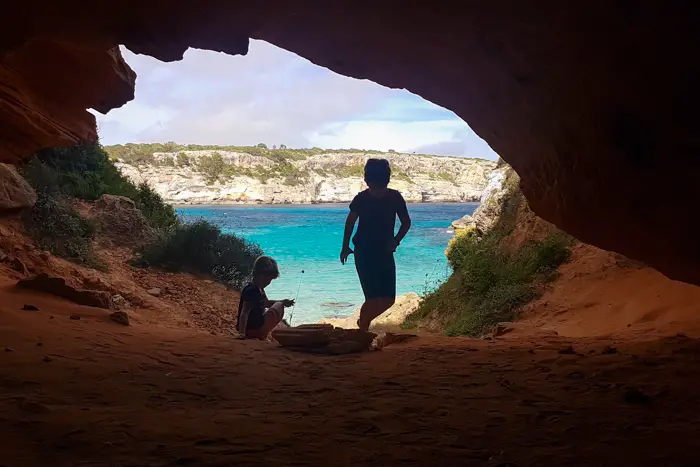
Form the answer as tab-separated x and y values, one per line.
375	242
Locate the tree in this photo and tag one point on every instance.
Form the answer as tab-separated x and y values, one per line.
274	147
183	160
211	166
262	146
283	146
392	150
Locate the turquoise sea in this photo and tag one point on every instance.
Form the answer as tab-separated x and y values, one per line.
308	238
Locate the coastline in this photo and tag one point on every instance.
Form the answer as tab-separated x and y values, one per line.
334	203
308	238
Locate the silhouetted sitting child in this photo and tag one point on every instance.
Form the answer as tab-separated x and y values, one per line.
257	315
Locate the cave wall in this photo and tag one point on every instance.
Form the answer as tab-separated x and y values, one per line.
592	102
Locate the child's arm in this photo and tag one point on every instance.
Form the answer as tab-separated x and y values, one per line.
286	301
405	219
243	319
349	227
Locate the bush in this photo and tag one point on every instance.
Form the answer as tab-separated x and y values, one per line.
183	159
159	214
212	167
86	172
55	226
488	285
200	247
83	171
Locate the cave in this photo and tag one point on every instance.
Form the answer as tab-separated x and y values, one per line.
592	103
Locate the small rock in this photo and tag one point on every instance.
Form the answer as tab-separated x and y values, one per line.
9	349
502	328
636	397
47	359
75	317
120	317
58	286
155	291
465	223
3	256
608	350
119	301
19	266
39	344
30	307
568	351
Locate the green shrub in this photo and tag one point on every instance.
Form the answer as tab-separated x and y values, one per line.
86	172
487	284
398	174
183	159
446	177
356	170
200	247
212	167
55	226
83	171
158	213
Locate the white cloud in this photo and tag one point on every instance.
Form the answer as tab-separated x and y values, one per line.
383	134
276	97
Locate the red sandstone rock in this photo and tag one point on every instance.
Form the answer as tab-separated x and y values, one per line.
57	286
15	192
593	103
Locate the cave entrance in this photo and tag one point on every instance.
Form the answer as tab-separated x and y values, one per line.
272	128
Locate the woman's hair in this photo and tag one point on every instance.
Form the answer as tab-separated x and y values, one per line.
377	172
264	265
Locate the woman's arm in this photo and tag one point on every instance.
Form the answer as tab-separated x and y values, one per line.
243	318
349	227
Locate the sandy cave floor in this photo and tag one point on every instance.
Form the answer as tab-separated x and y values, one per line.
89	392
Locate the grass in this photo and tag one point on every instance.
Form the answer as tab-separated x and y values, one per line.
488	284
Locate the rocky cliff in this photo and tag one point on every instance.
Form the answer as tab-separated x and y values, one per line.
223	177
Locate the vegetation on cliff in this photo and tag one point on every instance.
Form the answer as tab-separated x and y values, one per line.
488	284
489	280
85	172
283	163
135	153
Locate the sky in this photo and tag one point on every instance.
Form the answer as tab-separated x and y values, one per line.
275	97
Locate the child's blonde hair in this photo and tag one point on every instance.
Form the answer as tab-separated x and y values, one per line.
264	265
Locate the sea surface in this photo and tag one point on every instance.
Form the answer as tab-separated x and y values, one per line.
306	241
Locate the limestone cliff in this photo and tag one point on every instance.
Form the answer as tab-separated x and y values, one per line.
184	178
504	207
